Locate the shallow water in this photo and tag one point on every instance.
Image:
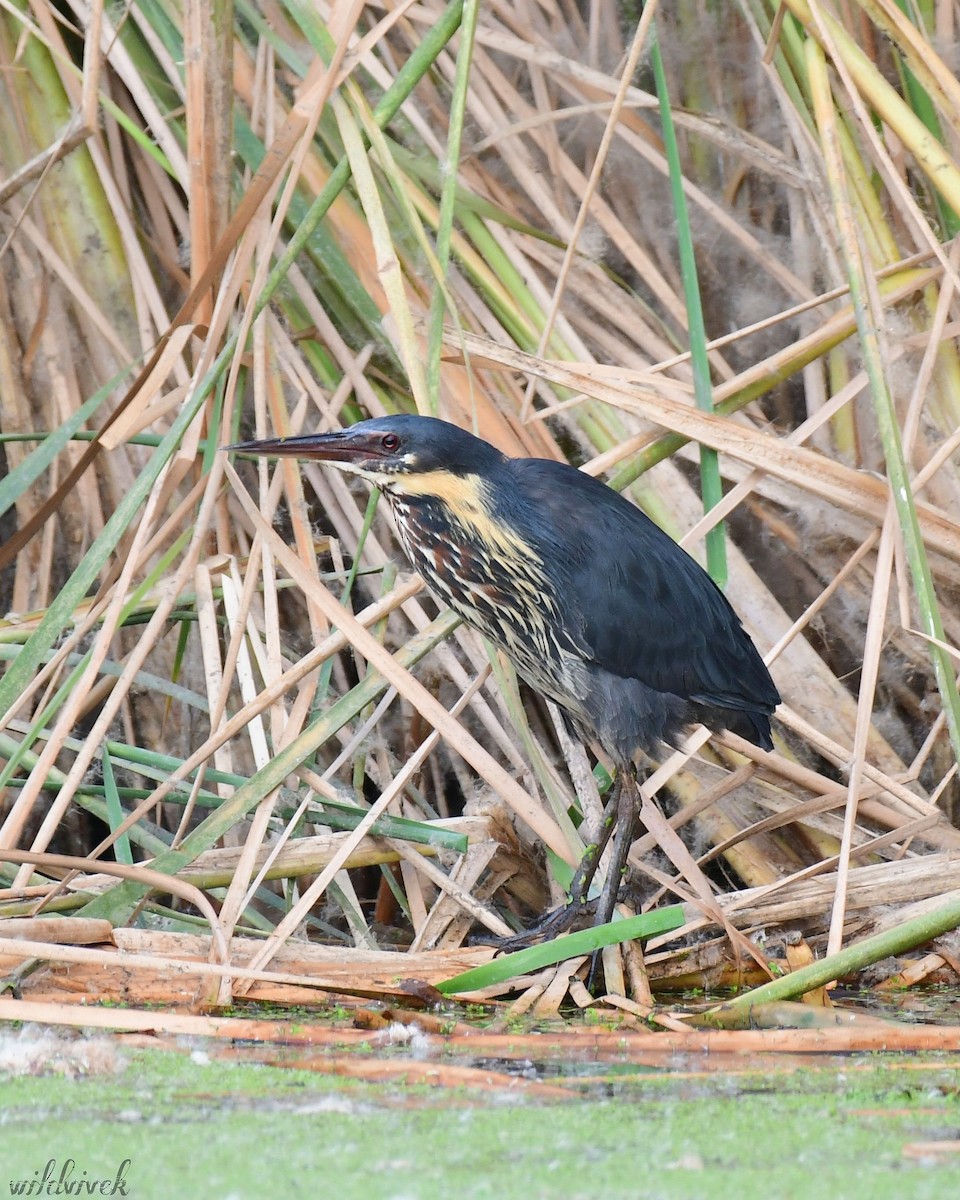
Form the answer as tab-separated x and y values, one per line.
210	1120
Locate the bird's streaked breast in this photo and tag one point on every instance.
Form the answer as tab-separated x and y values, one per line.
460	500
485	570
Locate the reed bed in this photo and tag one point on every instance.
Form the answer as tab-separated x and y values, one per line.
707	253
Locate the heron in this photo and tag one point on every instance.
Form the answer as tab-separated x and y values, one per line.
595	605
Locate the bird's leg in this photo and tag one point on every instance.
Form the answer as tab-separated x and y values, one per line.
626	818
627	805
560	919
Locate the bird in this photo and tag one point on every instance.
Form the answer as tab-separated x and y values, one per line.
596	606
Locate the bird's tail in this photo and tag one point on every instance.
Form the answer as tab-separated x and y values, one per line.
754	726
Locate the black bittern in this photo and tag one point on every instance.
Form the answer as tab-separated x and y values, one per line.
594	604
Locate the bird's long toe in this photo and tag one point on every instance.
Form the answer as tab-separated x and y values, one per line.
551	924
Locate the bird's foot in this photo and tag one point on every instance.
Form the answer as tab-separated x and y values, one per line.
559	920
551	924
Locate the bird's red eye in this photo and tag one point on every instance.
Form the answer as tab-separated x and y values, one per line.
390	441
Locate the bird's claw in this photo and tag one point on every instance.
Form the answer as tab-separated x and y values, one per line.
551	925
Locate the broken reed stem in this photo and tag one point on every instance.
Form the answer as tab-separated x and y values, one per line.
856	957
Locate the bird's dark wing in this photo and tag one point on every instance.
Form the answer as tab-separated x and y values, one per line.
636	603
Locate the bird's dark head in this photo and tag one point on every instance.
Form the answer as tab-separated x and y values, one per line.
401	453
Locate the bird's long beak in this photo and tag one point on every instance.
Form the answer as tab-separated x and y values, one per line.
342	446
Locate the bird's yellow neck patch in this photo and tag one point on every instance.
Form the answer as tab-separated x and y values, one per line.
466	500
